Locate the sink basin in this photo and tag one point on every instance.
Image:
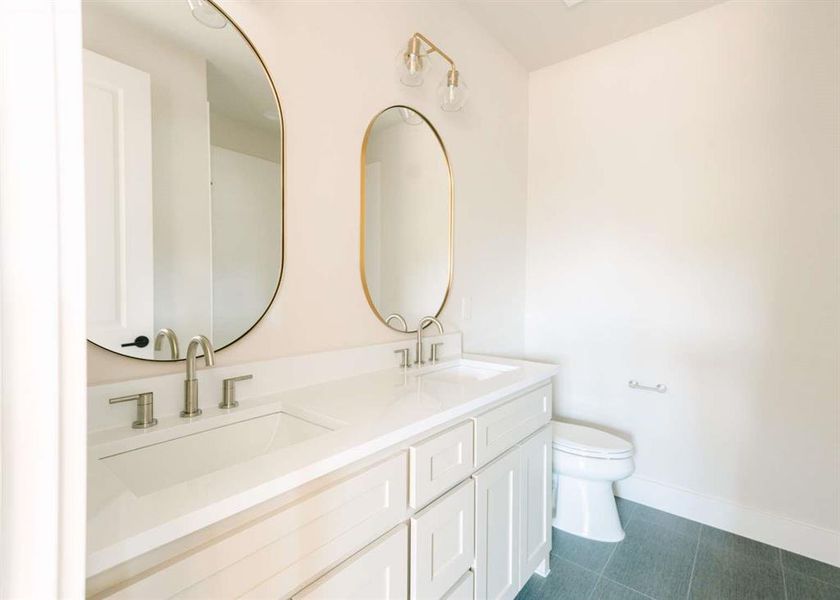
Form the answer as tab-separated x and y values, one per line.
465	371
152	468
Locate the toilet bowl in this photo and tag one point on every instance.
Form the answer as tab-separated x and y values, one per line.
586	463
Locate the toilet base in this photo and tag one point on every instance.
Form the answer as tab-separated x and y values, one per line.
587	508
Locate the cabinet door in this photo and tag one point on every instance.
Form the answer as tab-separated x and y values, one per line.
463	590
535	534
443	542
379	571
497	504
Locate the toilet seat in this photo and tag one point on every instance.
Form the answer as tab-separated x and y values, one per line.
589	442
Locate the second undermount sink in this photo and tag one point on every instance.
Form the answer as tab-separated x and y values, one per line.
465	371
156	467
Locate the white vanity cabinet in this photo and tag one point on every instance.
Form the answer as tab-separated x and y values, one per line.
378	571
272	556
497	509
513	508
535	502
439	462
504	426
442	542
462	513
464	589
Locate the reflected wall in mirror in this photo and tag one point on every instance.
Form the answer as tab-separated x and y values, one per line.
184	177
407	209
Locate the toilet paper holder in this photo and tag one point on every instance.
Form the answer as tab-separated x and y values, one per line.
659	387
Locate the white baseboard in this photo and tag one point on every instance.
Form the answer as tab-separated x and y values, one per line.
788	534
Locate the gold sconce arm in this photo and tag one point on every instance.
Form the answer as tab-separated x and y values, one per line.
413	44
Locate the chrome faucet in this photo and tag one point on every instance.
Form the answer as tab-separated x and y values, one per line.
191	408
170	337
419	358
399	318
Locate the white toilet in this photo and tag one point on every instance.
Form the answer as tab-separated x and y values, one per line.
586	463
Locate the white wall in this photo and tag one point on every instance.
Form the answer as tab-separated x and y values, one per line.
226	132
42	302
180	165
683	229
246	240
333	64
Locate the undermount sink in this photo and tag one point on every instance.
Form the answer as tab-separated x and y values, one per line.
465	371
156	467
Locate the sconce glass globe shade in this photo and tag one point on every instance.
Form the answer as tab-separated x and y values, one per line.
207	14
453	93
412	67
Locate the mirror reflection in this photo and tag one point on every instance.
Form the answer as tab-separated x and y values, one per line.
183	147
406	218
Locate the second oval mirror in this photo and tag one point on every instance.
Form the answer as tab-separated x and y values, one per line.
406	218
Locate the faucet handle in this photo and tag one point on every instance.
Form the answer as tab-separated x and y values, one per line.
403	352
145	409
433	354
229	391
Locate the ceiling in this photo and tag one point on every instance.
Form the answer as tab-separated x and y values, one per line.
542	32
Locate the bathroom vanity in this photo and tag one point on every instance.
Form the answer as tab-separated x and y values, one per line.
423	483
336	475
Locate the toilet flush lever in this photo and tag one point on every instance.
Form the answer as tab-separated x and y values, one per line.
659	387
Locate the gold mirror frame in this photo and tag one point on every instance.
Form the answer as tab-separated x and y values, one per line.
362	226
276	97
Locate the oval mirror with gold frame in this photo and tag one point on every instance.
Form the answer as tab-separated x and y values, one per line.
407	209
184	177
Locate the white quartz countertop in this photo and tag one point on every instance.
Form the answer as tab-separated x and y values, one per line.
368	413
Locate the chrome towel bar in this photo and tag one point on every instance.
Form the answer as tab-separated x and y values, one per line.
659	387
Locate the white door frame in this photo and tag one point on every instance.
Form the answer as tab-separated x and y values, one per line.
42	301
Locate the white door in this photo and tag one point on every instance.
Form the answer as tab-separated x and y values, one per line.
118	197
380	572
497	502
535	534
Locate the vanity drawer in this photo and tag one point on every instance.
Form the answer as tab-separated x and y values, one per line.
277	554
439	462
501	428
379	571
443	543
464	589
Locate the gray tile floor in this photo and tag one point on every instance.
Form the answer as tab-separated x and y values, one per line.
664	557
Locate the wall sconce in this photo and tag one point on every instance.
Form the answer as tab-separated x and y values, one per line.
413	62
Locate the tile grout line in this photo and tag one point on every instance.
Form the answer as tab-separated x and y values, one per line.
604	568
812	578
609	558
782	568
574	564
801	573
694	564
627	587
594	587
